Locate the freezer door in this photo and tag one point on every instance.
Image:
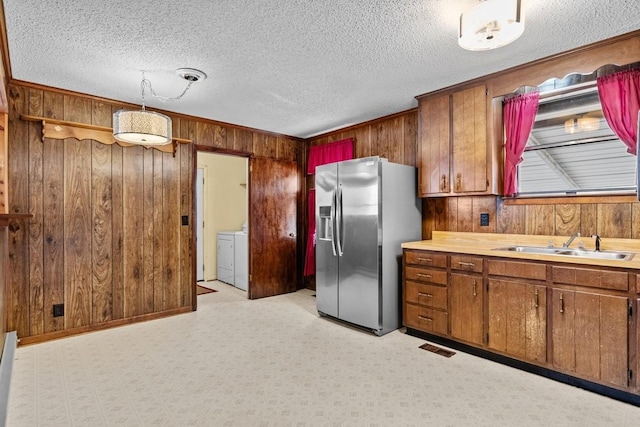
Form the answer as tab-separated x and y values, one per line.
326	256
358	217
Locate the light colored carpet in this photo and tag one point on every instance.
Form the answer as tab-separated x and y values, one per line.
274	362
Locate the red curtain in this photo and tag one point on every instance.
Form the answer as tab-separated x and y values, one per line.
620	99
309	259
329	153
321	155
519	115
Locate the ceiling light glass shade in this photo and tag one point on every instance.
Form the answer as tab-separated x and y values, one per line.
141	127
581	124
588	124
491	24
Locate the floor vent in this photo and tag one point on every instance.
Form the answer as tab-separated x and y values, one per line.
437	350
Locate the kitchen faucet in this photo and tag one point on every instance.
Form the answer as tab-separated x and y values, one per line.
595	236
568	242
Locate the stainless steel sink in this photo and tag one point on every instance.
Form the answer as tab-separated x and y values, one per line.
581	253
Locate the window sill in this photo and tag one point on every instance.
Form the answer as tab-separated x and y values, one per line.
570	200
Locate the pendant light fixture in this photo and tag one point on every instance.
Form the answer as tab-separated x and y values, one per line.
491	24
142	127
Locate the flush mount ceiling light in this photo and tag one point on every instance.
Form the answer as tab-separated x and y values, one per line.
491	24
144	127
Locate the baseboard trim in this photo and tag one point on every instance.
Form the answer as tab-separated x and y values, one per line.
604	390
6	371
35	339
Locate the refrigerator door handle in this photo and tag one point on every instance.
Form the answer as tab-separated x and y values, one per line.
333	221
339	237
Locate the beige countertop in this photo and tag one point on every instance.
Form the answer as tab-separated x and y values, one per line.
486	243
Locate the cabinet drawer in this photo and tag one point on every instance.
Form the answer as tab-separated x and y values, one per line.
604	279
426	295
426	319
466	263
426	258
426	275
525	270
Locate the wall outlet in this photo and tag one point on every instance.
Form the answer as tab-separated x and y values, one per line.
58	310
484	219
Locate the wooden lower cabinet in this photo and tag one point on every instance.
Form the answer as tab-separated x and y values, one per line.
466	307
590	335
636	365
574	320
518	319
426	319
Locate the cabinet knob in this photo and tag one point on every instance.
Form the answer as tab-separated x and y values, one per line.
443	185
458	182
561	304
475	286
537	302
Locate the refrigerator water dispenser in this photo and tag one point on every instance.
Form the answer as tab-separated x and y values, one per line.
324	230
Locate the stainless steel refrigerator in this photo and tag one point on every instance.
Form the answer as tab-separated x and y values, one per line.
365	209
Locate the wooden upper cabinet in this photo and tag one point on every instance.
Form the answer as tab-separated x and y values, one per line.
454	144
434	146
4	170
469	144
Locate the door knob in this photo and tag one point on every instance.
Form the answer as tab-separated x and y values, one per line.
292	234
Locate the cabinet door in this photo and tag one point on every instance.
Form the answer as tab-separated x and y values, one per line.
466	308
434	146
590	335
469	143
518	319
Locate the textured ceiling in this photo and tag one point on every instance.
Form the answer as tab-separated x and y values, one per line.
295	67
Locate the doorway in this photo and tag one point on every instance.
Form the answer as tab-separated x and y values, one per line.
221	213
272	190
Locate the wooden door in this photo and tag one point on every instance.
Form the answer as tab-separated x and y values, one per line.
272	227
469	141
434	146
466	308
518	319
589	335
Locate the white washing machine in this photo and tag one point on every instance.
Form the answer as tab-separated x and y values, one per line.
241	255
226	271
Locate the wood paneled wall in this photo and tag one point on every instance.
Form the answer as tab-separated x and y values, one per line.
393	137
617	217
106	238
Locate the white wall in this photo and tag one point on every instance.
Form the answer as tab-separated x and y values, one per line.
225	201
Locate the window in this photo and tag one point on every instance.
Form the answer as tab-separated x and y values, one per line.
571	149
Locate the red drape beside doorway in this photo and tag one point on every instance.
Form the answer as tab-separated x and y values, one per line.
321	155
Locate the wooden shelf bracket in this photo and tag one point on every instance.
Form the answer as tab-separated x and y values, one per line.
62	129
